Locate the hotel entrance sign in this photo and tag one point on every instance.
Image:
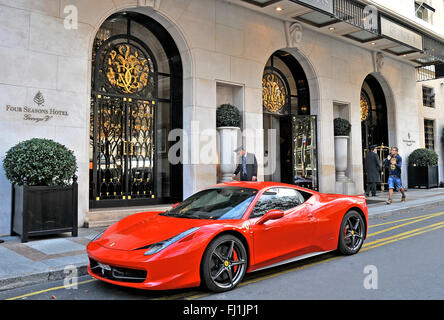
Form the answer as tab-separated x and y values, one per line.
401	34
37	113
324	5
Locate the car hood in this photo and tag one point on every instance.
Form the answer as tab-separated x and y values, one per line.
146	228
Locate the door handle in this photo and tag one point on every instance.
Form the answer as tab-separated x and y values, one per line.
128	151
124	148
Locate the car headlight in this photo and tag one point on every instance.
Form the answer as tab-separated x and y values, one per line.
156	247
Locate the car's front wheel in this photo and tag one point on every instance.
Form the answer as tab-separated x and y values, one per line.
224	263
351	233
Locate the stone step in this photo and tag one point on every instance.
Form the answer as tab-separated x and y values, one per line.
105	217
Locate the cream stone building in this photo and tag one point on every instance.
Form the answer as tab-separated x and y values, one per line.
119	76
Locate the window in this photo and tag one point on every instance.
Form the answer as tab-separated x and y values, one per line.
278	199
424	11
429	134
428	97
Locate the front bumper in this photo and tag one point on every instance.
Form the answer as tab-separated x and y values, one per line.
163	271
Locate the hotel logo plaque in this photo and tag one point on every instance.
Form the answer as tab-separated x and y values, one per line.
37	113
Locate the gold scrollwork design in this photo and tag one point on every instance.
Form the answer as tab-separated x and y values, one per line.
128	70
364	108
273	93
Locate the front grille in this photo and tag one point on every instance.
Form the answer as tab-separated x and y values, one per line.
117	273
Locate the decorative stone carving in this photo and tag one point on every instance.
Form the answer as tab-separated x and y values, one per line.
293	34
379	61
155	4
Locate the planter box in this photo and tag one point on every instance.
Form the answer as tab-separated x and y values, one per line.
423	177
44	210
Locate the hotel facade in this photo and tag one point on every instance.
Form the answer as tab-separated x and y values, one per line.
129	85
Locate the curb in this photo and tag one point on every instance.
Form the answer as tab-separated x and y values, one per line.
39	277
387	212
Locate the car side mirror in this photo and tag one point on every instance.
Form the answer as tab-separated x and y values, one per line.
175	205
271	215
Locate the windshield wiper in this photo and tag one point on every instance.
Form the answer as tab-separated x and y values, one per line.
177	215
168	214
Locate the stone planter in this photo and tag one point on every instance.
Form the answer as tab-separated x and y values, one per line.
41	210
341	157
229	139
423	177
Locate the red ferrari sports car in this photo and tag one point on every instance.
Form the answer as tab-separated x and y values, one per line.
219	234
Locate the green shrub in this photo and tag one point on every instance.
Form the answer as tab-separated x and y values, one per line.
341	127
228	115
423	158
43	162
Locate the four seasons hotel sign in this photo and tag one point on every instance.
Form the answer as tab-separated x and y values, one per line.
38	112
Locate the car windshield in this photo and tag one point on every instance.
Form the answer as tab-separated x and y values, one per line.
220	203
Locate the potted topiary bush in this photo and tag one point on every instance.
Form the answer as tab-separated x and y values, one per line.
228	122
342	128
423	168
44	188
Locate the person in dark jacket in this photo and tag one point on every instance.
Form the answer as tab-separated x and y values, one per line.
247	166
373	168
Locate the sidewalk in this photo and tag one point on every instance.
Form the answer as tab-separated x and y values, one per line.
45	259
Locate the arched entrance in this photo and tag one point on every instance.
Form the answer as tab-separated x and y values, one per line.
136	89
289	130
374	124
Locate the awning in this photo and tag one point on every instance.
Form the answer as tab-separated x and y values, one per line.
366	25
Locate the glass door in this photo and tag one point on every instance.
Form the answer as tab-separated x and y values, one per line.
305	153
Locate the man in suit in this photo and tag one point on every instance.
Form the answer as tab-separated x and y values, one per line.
373	168
247	166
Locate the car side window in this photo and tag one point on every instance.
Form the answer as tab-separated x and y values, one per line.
279	199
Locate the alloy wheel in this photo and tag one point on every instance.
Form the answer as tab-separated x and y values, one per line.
353	232
228	263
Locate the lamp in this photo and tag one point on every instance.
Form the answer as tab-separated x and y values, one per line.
103	34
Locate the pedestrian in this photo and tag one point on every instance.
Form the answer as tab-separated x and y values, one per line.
247	167
394	164
373	168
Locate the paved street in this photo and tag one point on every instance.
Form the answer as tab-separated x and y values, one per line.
402	258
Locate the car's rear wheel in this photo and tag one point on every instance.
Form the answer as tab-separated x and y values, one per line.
352	233
224	263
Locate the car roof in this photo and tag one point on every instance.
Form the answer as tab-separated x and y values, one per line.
259	185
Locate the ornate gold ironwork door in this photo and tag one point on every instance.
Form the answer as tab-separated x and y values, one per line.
123	122
141	149
124	157
109	159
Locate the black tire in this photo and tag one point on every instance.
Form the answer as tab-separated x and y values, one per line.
351	233
224	263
